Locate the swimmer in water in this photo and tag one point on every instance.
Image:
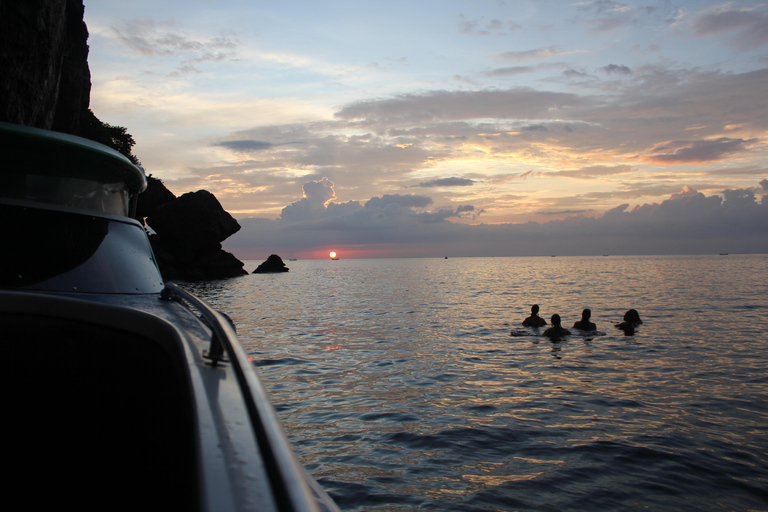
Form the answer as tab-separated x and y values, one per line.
584	324
534	320
631	321
556	331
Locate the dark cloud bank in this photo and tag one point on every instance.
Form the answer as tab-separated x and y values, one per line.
401	225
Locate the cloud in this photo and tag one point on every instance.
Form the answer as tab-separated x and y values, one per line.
317	194
510	71
535	54
747	27
249	145
693	152
574	73
764	185
493	27
447	182
615	69
610	15
562	212
245	145
397	200
151	38
595	171
373	147
687	222
521	102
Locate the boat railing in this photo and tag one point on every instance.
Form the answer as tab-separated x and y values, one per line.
291	490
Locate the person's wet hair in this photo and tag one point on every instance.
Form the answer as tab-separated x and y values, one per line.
555	319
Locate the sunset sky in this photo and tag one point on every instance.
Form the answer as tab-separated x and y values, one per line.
465	128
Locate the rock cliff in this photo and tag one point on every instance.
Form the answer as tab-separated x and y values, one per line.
188	231
45	82
44	76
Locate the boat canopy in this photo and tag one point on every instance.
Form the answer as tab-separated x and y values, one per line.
50	167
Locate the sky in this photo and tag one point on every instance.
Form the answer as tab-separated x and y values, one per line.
434	128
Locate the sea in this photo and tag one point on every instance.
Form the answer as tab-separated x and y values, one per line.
411	384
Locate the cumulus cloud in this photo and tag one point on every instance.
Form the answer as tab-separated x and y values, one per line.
687	222
316	195
404	201
376	146
447	182
615	69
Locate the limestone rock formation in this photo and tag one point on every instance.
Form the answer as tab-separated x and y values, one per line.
45	82
152	198
189	230
44	76
273	264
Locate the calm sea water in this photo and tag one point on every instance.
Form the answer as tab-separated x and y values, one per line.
409	384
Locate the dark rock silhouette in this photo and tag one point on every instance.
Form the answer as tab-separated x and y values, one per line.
153	197
188	231
45	80
273	264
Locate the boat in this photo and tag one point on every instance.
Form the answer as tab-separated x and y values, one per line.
122	391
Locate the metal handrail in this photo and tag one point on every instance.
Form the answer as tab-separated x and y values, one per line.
291	490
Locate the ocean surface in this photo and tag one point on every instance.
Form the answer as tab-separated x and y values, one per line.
410	384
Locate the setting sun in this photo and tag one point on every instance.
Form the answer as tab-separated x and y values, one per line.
332	254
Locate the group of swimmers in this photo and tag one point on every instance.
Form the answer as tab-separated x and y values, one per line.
631	321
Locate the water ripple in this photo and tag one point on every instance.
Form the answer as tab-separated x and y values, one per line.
411	385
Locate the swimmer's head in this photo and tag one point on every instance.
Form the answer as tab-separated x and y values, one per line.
586	314
555	319
535	309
